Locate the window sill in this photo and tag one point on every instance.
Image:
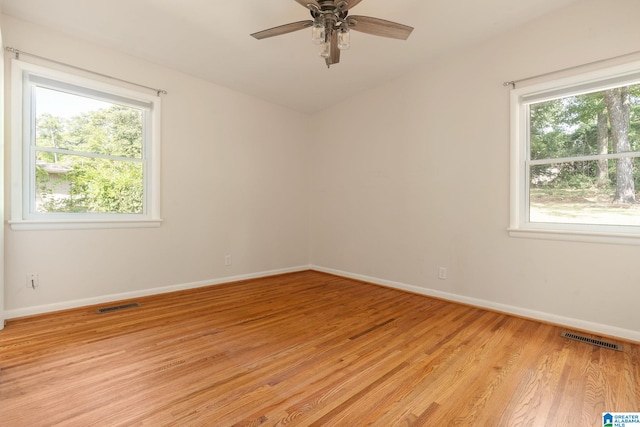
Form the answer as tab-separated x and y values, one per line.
576	236
82	225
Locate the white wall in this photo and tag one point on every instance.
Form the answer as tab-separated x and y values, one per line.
1	181
419	178
234	181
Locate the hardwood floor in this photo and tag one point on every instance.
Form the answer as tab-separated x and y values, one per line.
306	349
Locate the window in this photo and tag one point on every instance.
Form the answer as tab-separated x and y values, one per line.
84	153
575	157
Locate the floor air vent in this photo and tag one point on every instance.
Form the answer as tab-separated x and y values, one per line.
117	307
592	341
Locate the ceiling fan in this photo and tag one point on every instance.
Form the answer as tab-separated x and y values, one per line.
331	25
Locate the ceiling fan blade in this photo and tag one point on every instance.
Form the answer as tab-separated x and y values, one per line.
282	29
334	52
306	3
379	27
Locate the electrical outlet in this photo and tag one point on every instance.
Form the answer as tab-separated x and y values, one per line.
227	260
33	281
442	273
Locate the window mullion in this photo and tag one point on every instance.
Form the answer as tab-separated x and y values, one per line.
612	156
88	154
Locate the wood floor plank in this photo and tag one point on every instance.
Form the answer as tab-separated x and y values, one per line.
307	349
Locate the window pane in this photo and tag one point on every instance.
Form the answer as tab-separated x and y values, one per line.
77	184
600	192
580	125
73	122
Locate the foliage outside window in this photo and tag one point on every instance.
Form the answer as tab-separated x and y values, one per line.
576	156
87	153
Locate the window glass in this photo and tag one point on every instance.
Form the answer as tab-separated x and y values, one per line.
87	155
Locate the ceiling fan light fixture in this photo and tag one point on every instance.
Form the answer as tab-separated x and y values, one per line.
318	32
344	39
325	49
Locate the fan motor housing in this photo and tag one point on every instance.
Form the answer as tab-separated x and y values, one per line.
327	7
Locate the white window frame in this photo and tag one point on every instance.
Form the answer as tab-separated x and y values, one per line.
521	98
22	216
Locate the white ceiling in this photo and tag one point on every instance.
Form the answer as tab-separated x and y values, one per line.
210	39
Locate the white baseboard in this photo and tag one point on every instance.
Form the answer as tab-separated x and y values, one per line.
48	308
583	325
569	322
